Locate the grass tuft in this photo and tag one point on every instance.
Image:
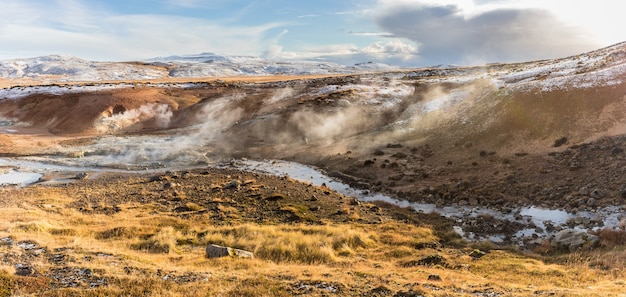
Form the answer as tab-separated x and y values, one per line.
163	242
293	244
611	238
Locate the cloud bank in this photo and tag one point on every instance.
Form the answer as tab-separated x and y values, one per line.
399	32
391	51
451	34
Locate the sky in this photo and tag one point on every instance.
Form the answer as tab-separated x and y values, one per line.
399	32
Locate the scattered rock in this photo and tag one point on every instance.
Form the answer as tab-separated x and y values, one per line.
23	270
169	185
76	277
156	178
217	251
81	175
378	153
434	277
591	201
574	240
477	254
28	245
394	145
559	142
307	287
400	155
432	260
6	241
235	184
597	194
575	164
380	291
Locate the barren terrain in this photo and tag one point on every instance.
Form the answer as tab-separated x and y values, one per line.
134	178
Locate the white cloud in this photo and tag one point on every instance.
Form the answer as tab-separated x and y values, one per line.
393	52
374	34
449	31
67	27
410	32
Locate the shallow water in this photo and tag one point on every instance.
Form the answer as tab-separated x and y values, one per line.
525	215
14	177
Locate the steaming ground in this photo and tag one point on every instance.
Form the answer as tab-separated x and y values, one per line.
543	134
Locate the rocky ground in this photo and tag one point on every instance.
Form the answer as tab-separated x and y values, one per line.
107	236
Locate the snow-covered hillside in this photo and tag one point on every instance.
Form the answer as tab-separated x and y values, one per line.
605	66
66	68
209	64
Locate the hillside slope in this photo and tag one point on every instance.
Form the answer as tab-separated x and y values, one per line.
505	137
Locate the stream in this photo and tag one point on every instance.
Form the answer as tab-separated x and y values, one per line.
537	223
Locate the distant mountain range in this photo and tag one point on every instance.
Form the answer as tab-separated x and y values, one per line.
584	70
68	68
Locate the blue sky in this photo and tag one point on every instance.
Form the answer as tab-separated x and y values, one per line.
402	32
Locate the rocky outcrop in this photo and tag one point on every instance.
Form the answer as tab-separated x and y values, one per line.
574	240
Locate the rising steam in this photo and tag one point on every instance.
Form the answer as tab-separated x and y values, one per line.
220	126
160	114
187	147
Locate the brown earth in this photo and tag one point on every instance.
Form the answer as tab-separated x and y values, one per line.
506	156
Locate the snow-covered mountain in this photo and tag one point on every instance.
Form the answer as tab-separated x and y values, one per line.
603	66
67	68
209	64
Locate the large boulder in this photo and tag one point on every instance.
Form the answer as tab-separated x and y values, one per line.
574	240
218	251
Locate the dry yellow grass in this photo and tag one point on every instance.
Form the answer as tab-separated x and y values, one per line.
138	251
